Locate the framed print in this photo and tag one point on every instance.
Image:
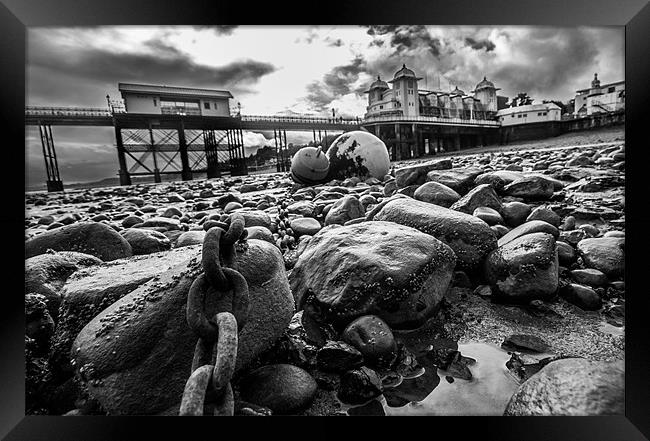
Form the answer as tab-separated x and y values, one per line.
340	219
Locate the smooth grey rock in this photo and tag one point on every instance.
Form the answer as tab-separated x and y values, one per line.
436	193
524	269
135	355
94	238
572	387
381	268
535	226
146	241
606	254
470	238
283	388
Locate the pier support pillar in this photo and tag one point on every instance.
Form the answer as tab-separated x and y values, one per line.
54	182
212	154
398	143
186	171
125	176
457	142
156	171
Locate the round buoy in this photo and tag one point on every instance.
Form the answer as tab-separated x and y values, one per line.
358	153
309	166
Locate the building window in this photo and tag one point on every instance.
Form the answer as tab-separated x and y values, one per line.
381	107
513	115
410	83
206	105
154	102
519	116
544	113
611	89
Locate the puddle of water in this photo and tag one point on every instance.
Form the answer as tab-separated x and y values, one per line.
486	394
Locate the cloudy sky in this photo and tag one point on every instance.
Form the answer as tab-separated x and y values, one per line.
310	69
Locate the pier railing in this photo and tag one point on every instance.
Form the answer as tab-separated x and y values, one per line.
303	119
432	120
66	111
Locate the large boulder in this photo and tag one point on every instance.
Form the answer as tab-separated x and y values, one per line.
497	179
146	241
480	196
345	209
89	291
535	226
256	218
94	238
460	180
469	237
606	254
417	174
380	268
524	269
161	222
135	356
283	388
572	387
515	213
305	225
436	193
46	274
530	188
192	237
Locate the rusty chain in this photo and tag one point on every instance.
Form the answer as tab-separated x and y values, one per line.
217	309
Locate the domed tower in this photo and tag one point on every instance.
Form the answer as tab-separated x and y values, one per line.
376	91
486	93
405	91
595	83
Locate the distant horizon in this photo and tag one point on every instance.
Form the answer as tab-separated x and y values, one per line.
302	69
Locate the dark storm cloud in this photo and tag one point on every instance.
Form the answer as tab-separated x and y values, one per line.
85	67
81	76
549	63
553	60
480	44
218	29
405	37
381	29
335	83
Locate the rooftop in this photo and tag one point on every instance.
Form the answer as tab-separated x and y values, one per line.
527	108
404	72
173	90
602	86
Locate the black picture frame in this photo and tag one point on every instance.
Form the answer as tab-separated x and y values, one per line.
16	15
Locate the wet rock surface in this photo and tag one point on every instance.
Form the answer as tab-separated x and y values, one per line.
283	388
575	387
381	268
429	251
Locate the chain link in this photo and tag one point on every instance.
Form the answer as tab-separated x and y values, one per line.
217	309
